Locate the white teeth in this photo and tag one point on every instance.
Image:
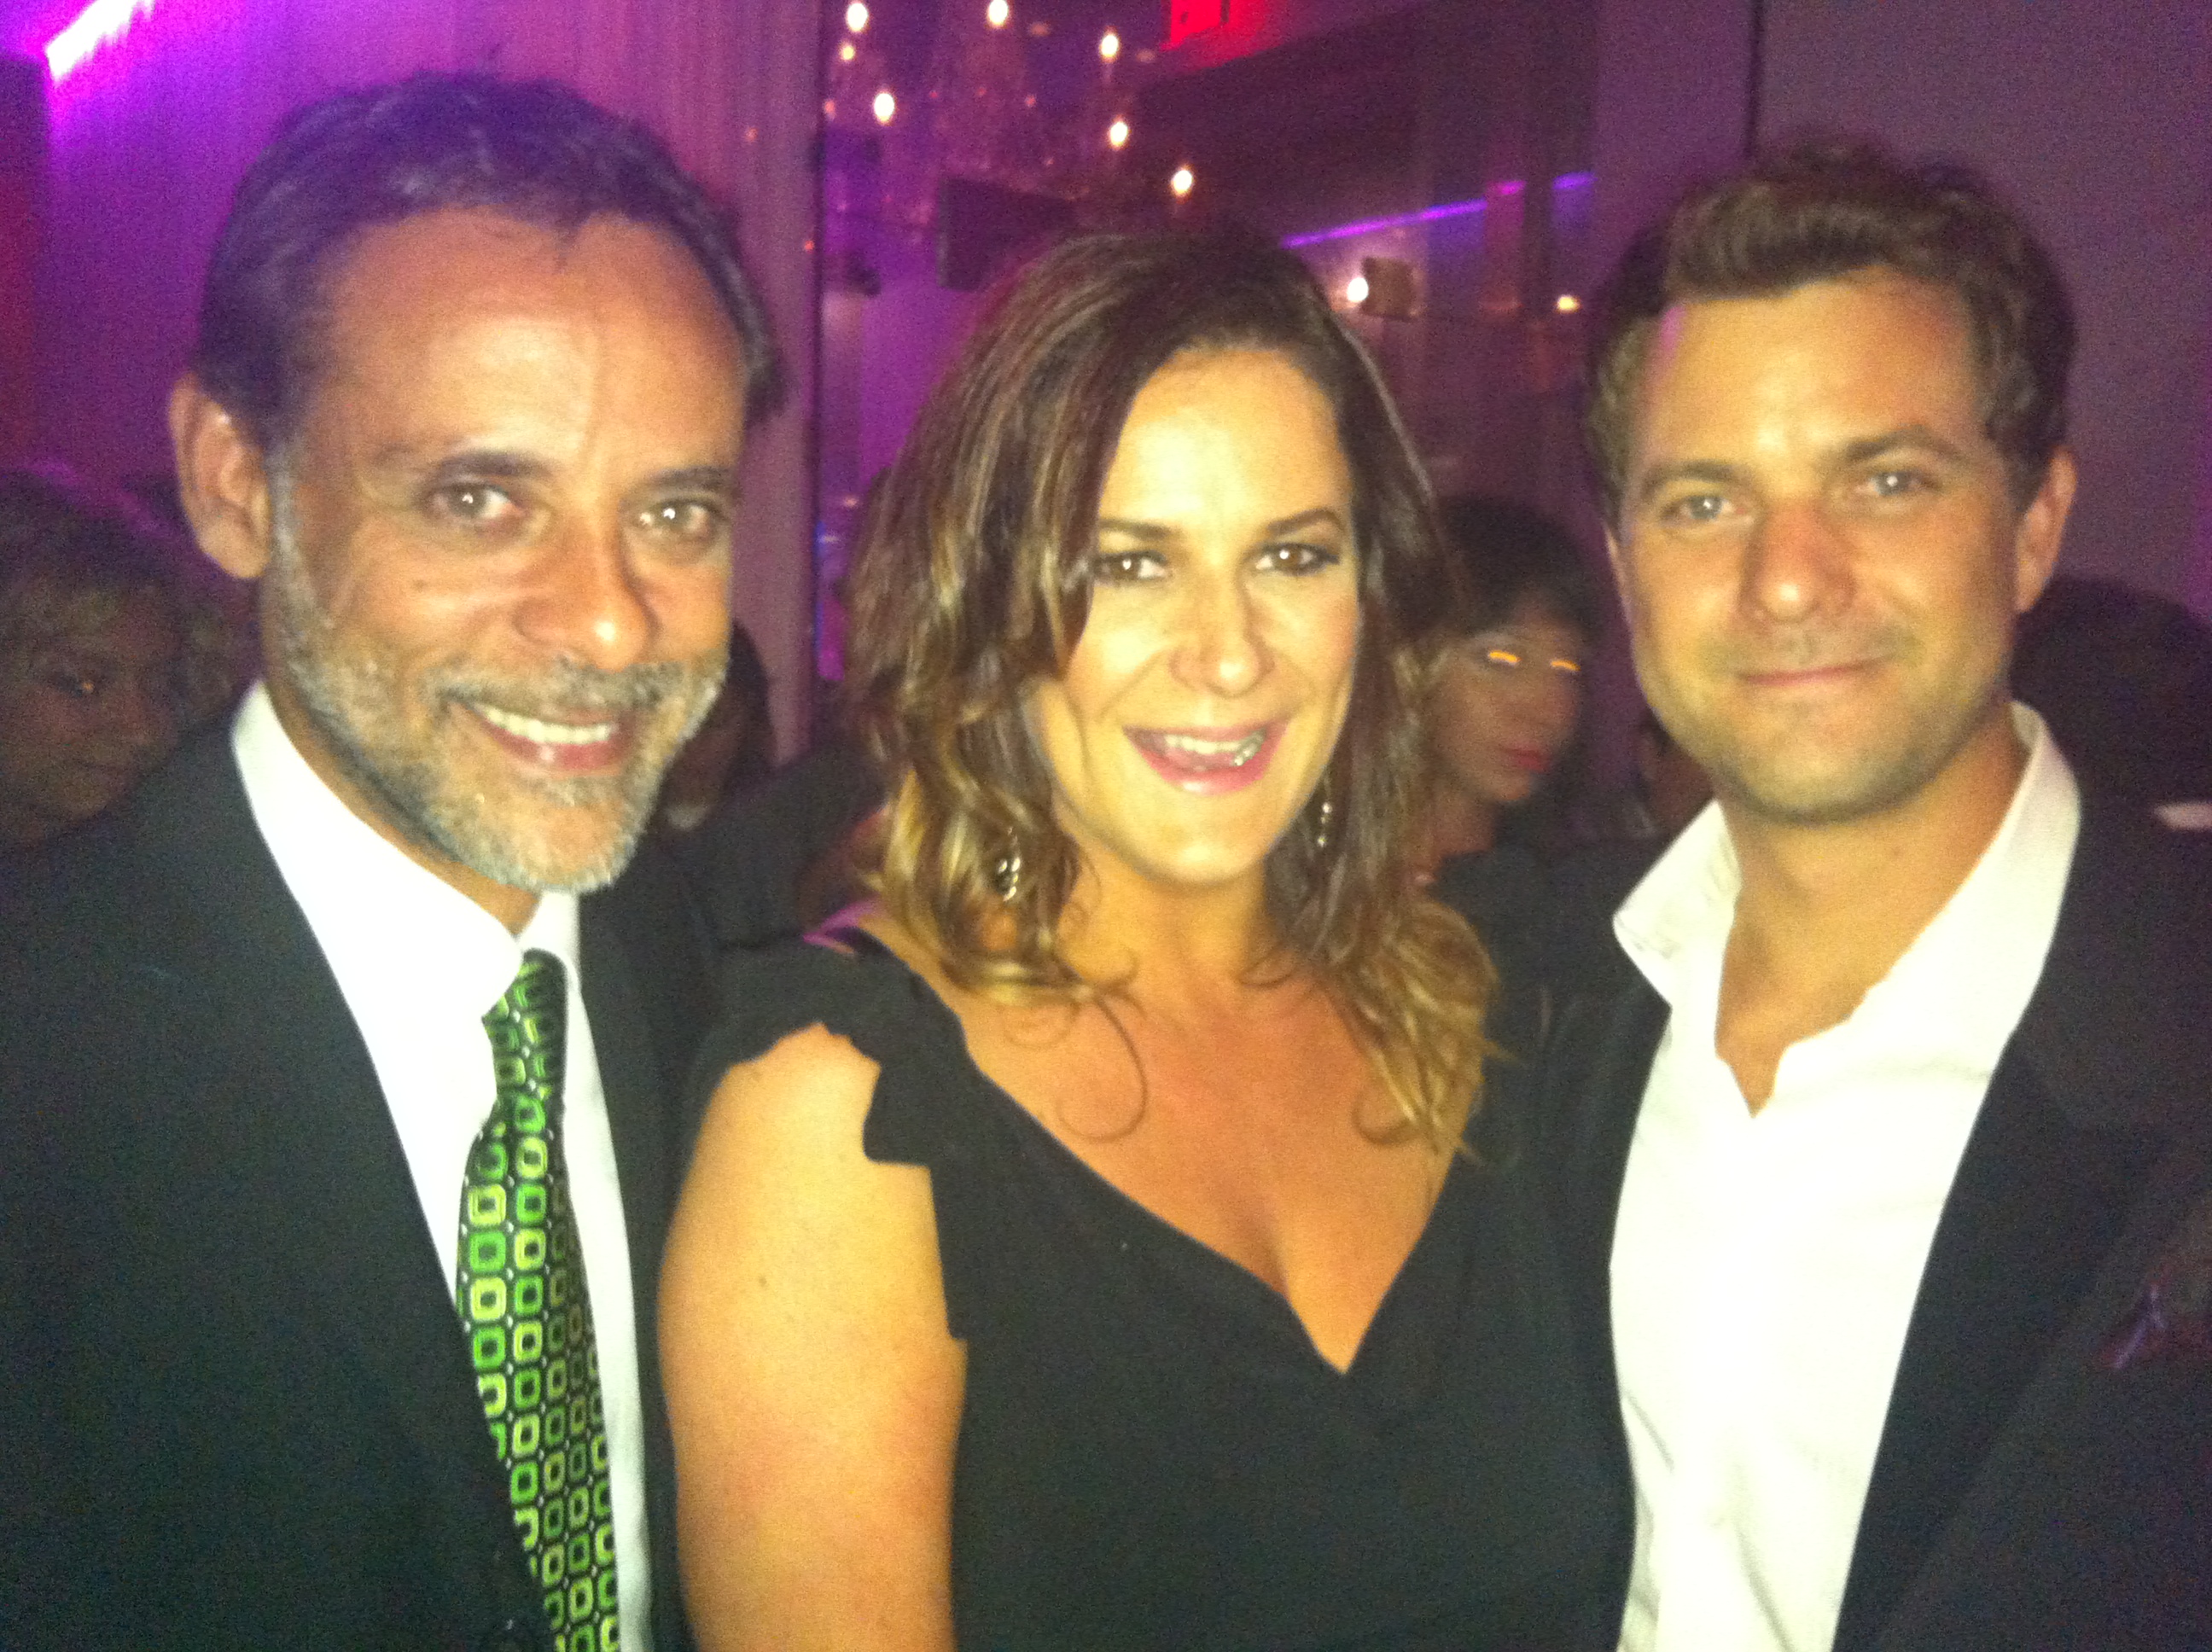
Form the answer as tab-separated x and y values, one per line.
543	733
1238	752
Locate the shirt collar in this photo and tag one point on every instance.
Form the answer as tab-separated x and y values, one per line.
1980	956
1674	926
377	915
1683	903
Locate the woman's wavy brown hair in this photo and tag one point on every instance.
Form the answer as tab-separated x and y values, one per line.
973	583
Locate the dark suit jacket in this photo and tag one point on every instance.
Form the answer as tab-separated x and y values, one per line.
2025	1494
239	1406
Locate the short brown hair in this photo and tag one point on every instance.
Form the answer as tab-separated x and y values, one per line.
973	583
1823	209
535	151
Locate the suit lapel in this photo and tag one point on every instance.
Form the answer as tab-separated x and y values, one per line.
325	1177
1601	1047
632	1082
2056	1208
644	984
1596	1059
2038	1203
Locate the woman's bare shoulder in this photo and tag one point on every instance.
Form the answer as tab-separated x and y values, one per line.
780	1170
813	1086
813	1387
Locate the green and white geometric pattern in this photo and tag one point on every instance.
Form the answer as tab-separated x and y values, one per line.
528	1315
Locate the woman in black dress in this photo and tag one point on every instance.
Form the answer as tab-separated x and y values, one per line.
1085	1252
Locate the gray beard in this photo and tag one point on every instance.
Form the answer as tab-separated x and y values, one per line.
348	697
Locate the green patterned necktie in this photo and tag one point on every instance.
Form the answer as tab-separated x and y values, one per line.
529	1318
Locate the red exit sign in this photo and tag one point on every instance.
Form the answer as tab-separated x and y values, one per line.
1187	18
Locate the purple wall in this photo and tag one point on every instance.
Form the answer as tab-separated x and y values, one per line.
22	190
2096	115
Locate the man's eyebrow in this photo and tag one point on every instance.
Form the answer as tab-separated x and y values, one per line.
500	464
487	463
720	480
1909	435
1694	470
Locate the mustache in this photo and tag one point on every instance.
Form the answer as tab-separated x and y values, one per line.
569	686
1805	648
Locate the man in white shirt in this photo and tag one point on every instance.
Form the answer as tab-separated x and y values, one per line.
1880	1140
340	1075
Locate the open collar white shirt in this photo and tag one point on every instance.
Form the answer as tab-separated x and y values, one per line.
419	964
1765	1265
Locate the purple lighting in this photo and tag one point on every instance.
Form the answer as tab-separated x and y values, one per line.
1429	214
1370	226
98	24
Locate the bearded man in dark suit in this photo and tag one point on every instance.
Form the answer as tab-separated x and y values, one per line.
1880	1119
337	1071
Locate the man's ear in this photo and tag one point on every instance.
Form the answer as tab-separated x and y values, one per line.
222	480
1616	559
2042	525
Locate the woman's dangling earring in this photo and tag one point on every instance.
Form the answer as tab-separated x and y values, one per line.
1006	871
1324	818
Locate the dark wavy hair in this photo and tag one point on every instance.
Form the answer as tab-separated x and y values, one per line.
531	149
973	583
1513	553
1825	208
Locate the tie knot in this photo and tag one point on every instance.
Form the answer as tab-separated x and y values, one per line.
527	1029
534	1009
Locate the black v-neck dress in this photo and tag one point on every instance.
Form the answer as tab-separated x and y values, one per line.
1151	1452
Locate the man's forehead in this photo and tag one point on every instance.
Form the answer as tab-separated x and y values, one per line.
1821	308
451	260
471	326
1868	344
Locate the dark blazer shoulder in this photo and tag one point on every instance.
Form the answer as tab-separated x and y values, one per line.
1585	1083
647	924
2118	1026
2024	1493
205	1190
648	990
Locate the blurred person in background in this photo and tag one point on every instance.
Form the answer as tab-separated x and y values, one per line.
787	852
2124	680
1508	704
1665	791
1670	787
1505	717
113	644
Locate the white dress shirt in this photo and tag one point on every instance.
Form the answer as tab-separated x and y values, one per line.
419	964
1765	1265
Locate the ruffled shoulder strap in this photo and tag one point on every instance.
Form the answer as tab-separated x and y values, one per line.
849	982
931	1106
